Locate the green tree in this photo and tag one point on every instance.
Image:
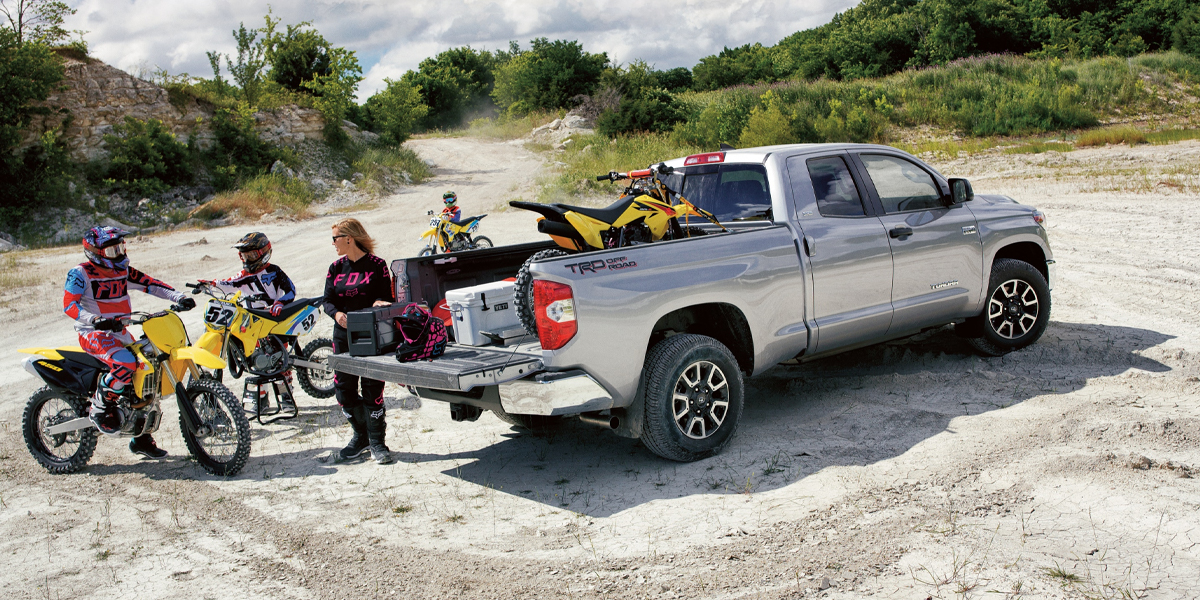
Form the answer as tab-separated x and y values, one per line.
1186	36
247	72
547	76
237	152
334	91
454	83
674	80
734	66
28	73
146	157
395	111
295	55
37	20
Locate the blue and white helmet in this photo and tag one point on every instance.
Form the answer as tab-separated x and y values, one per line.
104	246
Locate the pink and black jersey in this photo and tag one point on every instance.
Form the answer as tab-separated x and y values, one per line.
92	292
262	289
351	286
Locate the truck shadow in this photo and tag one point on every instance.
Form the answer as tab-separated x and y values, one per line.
853	409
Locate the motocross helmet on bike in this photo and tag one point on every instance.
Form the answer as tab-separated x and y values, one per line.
449	198
254	250
104	246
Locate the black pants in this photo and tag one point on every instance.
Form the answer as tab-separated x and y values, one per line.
346	386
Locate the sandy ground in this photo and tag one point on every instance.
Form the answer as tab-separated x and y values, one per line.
912	469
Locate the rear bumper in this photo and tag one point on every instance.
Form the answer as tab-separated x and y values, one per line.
550	394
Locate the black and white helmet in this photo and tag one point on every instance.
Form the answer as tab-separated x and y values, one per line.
254	250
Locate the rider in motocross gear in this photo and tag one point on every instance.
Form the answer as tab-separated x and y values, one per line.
262	284
451	201
96	295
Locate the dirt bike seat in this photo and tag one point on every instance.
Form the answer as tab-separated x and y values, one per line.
83	358
467	219
289	309
609	214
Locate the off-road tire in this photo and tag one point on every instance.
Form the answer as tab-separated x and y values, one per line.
665	368
523	295
427	251
535	424
33	421
1025	281
317	385
481	242
221	409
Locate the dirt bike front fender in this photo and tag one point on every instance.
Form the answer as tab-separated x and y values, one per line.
211	341
199	356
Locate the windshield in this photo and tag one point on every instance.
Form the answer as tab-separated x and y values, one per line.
731	192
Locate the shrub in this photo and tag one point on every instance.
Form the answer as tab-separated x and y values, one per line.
237	152
1111	135
334	92
258	196
395	111
547	76
28	73
655	111
768	125
147	158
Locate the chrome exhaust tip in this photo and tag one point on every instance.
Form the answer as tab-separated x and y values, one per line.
605	421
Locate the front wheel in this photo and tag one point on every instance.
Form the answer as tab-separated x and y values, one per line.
1017	310
692	395
481	242
428	251
523	295
316	383
225	445
64	452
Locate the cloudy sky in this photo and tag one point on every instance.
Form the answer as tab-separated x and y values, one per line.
393	37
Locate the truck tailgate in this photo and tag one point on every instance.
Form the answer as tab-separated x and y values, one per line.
460	368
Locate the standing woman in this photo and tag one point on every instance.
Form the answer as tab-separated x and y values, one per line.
356	281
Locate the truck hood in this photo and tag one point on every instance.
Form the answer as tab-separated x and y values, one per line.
994	199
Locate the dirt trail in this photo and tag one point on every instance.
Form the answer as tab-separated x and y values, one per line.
905	470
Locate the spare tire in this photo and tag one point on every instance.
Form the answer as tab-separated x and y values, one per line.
523	296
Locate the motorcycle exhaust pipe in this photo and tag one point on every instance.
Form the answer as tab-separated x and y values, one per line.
605	421
549	227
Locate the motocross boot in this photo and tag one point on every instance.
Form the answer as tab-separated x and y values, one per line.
376	428
358	441
104	413
144	445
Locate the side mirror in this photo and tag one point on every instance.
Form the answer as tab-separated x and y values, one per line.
960	190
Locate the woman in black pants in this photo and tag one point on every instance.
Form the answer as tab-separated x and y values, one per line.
356	281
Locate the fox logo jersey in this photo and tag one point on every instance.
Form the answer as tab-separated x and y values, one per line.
92	292
261	289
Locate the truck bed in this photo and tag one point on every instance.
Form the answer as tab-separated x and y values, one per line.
459	369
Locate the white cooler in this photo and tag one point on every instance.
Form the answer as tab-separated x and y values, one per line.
488	307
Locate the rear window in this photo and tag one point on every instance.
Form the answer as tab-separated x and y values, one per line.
731	192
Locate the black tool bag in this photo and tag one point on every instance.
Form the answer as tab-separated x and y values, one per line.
372	332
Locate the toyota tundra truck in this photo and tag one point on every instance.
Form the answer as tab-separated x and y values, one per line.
828	247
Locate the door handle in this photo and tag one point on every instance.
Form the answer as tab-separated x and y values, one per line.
810	245
900	232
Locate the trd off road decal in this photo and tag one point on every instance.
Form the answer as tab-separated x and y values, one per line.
595	266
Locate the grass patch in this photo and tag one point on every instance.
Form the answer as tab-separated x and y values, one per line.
1111	135
506	127
383	168
1039	147
1171	136
952	148
262	195
16	273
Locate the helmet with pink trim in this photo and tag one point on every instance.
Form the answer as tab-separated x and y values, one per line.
104	246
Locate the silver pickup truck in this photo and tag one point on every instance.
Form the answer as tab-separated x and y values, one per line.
830	247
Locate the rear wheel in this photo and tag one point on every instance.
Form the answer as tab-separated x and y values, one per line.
692	397
1016	312
316	383
225	445
523	295
64	452
481	242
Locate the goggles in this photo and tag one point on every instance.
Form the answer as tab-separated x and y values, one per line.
252	255
116	250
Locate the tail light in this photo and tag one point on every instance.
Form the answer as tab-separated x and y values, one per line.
704	159
554	310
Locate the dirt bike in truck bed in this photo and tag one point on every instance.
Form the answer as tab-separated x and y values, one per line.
829	247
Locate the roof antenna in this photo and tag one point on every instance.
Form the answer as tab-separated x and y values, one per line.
726	147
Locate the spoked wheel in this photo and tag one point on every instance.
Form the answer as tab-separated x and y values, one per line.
58	453
692	395
316	383
481	242
427	251
223	444
1017	310
523	295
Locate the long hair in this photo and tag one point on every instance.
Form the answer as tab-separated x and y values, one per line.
358	233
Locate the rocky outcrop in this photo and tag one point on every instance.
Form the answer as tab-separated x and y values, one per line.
98	95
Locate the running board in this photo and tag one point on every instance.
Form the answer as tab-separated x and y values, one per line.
460	368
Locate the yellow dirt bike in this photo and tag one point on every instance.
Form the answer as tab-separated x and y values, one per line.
62	438
445	235
648	211
255	341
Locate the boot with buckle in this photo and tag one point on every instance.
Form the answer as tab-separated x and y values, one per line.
104	413
376	428
358	441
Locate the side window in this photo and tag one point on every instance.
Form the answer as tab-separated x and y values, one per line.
837	196
902	185
731	192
